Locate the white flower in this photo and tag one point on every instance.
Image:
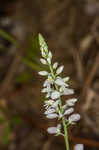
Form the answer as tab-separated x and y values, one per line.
69	111
55	65
62	88
50	55
59	70
49	102
52	130
44	90
52	116
50	79
43	54
58	129
49	111
71	102
74	118
60	82
55	94
66	79
68	91
60	115
79	147
45	83
49	60
43	73
43	61
64	106
48	95
47	89
55	104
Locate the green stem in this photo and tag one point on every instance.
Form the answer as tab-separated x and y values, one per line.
65	128
61	109
65	134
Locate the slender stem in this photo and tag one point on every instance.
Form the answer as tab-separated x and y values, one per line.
65	127
62	111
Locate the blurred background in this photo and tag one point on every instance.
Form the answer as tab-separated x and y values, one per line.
71	29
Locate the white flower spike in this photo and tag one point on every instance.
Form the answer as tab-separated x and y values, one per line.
55	87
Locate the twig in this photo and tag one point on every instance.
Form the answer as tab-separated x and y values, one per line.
90	76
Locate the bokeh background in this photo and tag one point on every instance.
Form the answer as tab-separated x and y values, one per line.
71	29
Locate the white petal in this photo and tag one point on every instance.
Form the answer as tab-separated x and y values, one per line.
49	88
43	61
62	88
50	55
60	115
49	60
71	102
64	107
49	111
79	147
55	104
59	126
74	117
55	65
43	53
52	130
52	116
49	102
55	95
68	91
60	82
48	95
59	70
43	73
45	83
44	90
69	111
50	79
66	79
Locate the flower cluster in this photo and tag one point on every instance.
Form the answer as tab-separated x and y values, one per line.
55	87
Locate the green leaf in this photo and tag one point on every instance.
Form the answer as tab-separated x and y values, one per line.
33	48
31	64
24	77
6	133
9	38
1	120
1	46
17	120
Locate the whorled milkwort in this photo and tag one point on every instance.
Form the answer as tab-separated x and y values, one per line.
55	87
